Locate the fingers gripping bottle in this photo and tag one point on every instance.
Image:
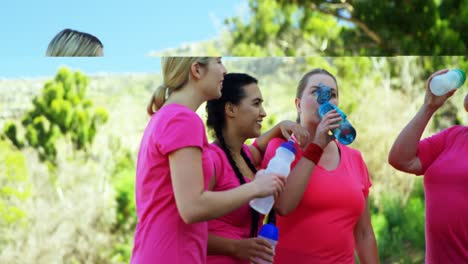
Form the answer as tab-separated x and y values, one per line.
280	164
269	232
444	83
345	133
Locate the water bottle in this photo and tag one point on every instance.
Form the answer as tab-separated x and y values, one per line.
442	84
269	232
345	133
280	164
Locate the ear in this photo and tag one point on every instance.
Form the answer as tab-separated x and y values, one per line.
230	110
195	71
297	101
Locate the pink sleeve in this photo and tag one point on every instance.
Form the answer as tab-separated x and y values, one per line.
217	164
365	176
270	151
430	148
183	129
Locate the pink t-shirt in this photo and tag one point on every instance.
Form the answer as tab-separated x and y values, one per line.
237	224
321	228
444	158
161	235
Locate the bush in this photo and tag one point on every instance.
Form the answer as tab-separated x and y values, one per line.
399	228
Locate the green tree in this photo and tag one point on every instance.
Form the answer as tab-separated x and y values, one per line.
61	109
337	27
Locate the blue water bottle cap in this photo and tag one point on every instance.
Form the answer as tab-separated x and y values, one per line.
323	93
269	231
289	146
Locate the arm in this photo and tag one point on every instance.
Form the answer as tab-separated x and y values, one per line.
295	187
301	173
283	129
195	204
364	237
243	249
403	154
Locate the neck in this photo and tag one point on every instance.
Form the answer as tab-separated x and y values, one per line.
186	96
311	128
233	140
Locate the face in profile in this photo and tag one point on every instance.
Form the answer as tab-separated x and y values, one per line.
212	78
250	112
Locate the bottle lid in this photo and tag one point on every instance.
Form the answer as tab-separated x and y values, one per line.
462	75
323	93
289	146
269	231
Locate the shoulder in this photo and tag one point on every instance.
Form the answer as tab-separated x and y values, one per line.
178	118
457	129
215	149
178	111
349	151
450	131
217	155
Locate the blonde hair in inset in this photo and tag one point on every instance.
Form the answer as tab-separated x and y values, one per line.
175	73
73	43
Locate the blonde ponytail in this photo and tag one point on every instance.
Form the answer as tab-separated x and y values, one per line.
157	100
175	73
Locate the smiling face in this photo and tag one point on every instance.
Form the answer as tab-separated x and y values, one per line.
249	113
307	105
239	111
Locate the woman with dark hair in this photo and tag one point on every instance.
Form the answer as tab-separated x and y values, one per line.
235	117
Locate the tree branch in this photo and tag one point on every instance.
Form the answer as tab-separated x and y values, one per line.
355	21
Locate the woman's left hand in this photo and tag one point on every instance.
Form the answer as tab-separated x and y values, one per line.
301	135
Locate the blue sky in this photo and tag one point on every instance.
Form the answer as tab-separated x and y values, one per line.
128	30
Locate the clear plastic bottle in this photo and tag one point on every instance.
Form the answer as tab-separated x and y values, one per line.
345	133
280	164
270	233
442	84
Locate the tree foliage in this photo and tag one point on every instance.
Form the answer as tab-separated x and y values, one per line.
62	109
340	27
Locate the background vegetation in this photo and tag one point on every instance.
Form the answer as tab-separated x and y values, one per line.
341	28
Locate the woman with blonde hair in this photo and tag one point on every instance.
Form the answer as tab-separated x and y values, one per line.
73	43
174	168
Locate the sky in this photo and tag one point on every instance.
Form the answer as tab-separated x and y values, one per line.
128	30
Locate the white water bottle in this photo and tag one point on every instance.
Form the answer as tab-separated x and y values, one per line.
442	84
280	164
269	232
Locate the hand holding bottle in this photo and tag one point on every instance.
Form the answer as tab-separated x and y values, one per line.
345	132
330	121
253	249
268	183
280	164
433	101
